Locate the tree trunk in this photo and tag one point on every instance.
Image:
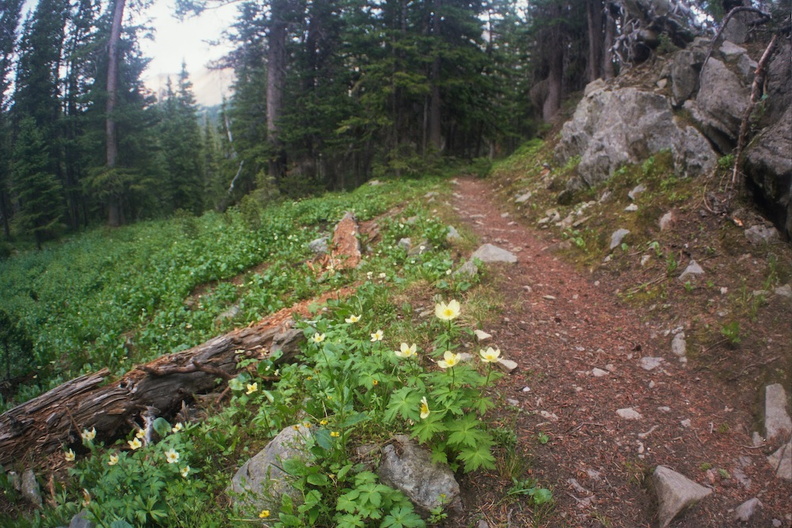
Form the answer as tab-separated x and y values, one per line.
276	77
111	133
595	38
435	103
55	419
552	102
608	70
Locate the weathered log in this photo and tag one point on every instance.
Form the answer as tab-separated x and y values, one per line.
56	418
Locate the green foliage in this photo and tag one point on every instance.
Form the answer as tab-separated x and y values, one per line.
731	331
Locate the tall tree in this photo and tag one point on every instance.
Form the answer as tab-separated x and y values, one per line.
9	21
114	211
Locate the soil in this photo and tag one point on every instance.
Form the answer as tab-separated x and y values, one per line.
559	324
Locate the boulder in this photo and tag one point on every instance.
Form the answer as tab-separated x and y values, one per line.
781	461
319	245
675	493
768	168
626	125
260	483
30	488
719	106
617	237
685	68
408	467
759	234
746	510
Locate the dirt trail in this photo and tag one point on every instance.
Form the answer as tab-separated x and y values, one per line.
560	325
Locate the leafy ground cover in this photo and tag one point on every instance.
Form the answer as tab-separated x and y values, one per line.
385	360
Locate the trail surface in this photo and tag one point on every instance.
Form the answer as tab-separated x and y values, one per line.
609	420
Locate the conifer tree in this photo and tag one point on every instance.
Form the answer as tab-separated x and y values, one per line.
9	20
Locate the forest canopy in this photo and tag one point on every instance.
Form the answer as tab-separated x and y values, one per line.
327	95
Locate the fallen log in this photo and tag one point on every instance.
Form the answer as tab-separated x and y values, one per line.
56	418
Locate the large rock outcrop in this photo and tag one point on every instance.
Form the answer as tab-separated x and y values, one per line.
613	127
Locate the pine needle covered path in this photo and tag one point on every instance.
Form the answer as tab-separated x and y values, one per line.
589	412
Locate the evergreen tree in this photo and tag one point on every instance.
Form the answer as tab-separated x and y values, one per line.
35	186
9	20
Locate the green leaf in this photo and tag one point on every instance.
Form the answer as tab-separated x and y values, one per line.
318	479
478	457
161	426
405	402
425	429
542	496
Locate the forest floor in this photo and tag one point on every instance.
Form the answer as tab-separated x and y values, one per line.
559	324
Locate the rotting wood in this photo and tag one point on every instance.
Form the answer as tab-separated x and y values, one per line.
56	418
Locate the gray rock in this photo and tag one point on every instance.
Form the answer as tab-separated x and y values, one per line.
685	69
738	28
30	488
260	482
468	269
626	125
319	246
746	510
631	208
81	521
490	253
666	220
721	102
692	270
637	190
679	345
507	365
617	237
523	197
408	467
230	313
650	363
481	335
781	461
629	413
784	291
778	424
768	165
405	244
420	248
598	372
452	235
759	234
675	493
15	480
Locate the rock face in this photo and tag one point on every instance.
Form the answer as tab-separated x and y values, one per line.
768	166
675	493
260	482
777	421
627	125
409	468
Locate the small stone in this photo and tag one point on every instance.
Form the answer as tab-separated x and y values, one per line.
452	235
481	335
30	488
526	389
617	237
662	83
598	373
548	297
506	365
760	234
491	253
629	413
745	511
523	197
781	461
513	402
645	259
375	183
483	524
468	269
666	220
228	314
405	244
679	345
686	423
650	363
319	246
664	409
80	521
548	416
692	269
675	493
430	194
784	291
631	208
777	420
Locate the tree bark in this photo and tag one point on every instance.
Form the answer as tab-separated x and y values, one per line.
435	103
276	77
111	133
56	418
595	38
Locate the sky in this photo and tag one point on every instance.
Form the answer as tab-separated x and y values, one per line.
187	41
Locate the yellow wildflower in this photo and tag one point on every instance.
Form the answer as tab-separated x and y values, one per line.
87	435
251	388
352	319
185	471
447	312
318	338
377	336
323	421
69	456
335	434
171	456
140	434
135	443
491	355
113	460
264	514
424	408
86	497
178	427
449	360
407	351
375	382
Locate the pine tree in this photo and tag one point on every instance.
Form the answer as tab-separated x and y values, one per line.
9	20
35	186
